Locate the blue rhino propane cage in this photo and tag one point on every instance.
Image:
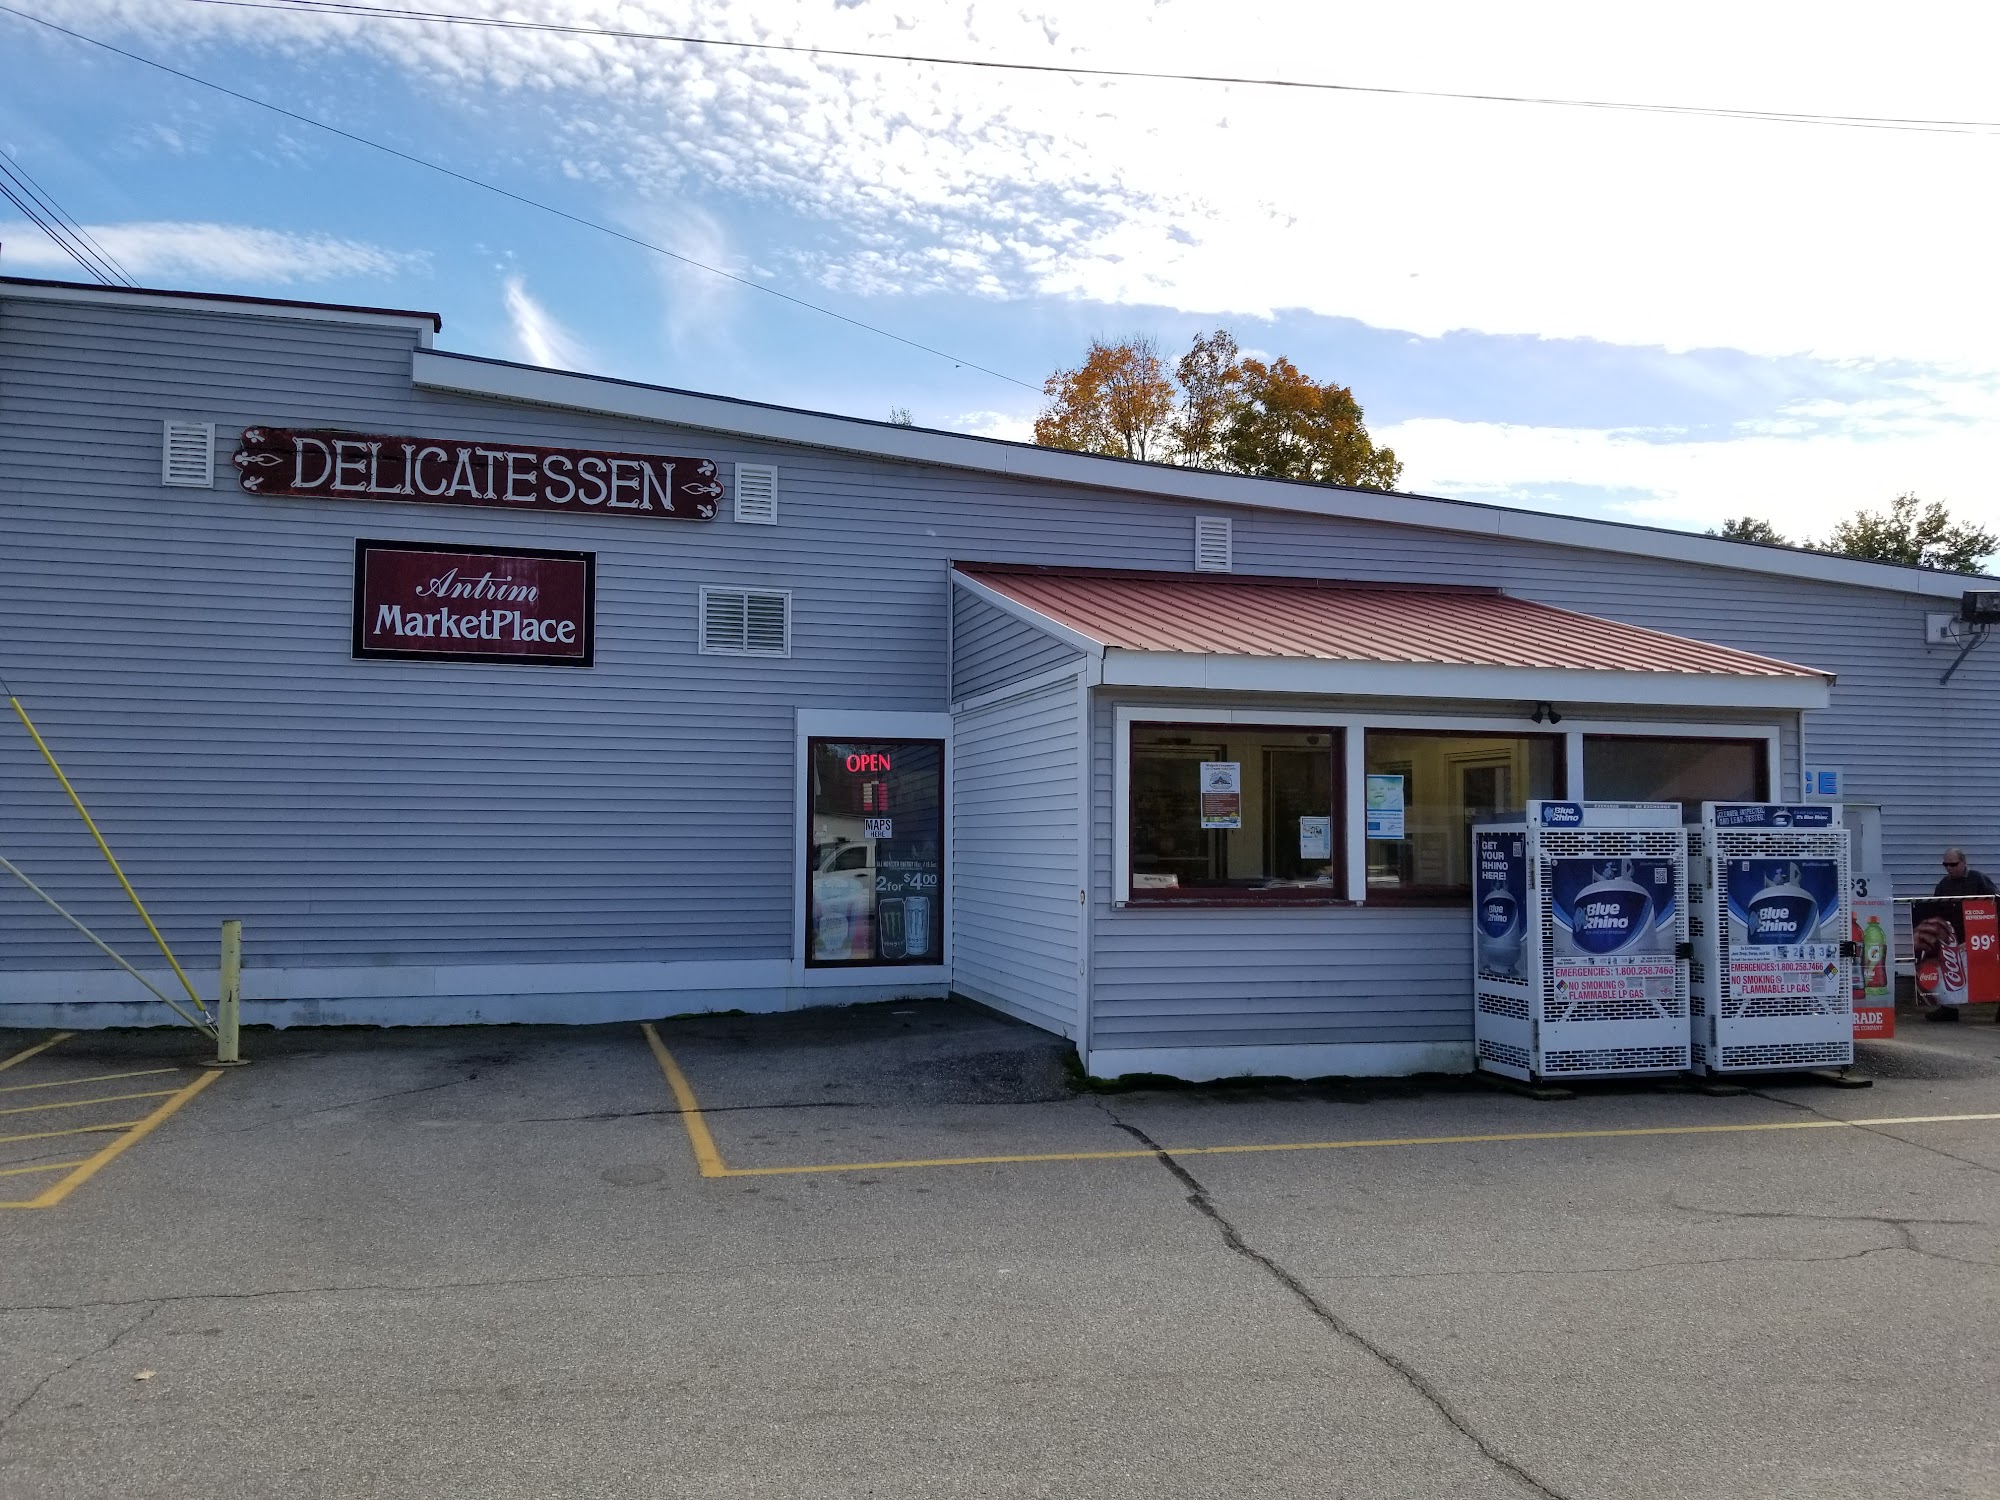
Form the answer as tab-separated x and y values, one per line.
1772	978
1580	941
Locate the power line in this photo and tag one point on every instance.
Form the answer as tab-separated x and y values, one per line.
521	198
47	215
1722	112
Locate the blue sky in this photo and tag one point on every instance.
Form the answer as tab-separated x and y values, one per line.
1654	317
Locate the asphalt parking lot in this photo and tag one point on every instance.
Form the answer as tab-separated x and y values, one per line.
913	1260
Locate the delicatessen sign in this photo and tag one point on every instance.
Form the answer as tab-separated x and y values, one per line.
324	465
416	601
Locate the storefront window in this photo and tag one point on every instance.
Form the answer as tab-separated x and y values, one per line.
1425	791
1234	812
875	852
1648	768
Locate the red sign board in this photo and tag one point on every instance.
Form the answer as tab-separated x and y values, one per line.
1982	948
325	465
415	601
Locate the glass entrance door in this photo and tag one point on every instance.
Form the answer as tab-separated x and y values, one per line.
874	852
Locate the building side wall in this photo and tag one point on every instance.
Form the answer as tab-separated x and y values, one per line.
187	654
1017	844
991	648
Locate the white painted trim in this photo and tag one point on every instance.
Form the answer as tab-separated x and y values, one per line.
1302	1060
1354	765
1047	624
1355	727
1019	688
1291	674
865	724
151	301
1084	767
500	380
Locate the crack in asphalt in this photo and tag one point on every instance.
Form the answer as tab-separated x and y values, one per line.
152	1305
1198	1198
1876	1130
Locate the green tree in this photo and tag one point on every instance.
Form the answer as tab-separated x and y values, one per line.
1750	529
1915	534
1283	425
1119	401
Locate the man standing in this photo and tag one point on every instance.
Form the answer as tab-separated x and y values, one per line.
1959	880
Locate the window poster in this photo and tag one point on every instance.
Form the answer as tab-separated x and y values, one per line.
1500	904
1221	794
1315	837
1614	938
1385	807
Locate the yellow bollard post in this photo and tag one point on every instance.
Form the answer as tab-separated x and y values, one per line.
229	1005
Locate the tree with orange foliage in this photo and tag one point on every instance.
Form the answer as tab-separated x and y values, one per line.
1220	411
1118	401
1286	426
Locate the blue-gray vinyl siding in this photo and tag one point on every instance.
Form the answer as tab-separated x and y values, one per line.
991	648
1017	848
187	654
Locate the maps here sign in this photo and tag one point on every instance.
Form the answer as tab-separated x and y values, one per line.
418	601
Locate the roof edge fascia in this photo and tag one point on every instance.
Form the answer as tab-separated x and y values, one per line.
1216	673
472	375
423	324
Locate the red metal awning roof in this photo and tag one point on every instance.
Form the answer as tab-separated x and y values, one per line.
1317	619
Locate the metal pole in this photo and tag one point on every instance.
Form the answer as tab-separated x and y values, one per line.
229	1008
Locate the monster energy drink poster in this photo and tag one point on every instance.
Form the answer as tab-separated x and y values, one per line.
1784	927
1499	903
1614	931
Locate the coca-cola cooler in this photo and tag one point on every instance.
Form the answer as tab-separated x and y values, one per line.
1580	941
1773	951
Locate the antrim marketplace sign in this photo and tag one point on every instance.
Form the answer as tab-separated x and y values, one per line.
415	601
322	465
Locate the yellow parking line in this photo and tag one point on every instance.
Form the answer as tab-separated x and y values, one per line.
21	1057
710	1161
44	1135
54	1166
32	1109
706	1157
50	1196
63	1083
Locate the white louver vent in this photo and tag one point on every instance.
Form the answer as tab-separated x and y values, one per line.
746	622
757	494
1211	544
187	455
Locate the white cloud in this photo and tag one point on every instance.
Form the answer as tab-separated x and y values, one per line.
542	340
1935	438
233	252
1405	213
